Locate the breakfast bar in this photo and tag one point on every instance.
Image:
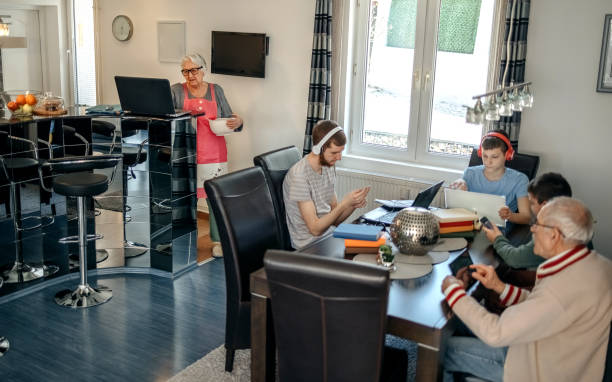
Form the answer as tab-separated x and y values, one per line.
145	221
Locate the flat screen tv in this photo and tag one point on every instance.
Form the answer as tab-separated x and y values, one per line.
239	54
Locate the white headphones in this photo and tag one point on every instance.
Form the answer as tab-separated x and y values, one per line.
317	148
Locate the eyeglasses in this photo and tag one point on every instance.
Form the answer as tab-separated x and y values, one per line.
536	224
193	71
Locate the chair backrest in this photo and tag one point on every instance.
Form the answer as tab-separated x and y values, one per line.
608	368
329	317
275	165
525	163
242	204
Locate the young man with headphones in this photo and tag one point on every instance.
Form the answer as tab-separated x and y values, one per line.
492	177
309	188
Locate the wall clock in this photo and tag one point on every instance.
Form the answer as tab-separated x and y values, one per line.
122	28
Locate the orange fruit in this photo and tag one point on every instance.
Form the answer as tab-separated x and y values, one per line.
12	105
30	99
21	99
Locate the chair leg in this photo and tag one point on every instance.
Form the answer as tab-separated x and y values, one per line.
84	296
229	359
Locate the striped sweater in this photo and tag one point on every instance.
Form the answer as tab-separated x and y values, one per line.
557	332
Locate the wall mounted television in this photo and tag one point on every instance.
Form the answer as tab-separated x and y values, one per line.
239	54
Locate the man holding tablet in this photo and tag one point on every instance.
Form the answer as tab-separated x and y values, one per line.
309	188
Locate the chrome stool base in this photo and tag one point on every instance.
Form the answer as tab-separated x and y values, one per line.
84	296
4	345
21	273
101	255
131	249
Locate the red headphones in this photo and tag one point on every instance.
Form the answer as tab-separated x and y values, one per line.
509	152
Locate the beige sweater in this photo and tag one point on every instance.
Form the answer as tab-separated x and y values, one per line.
557	332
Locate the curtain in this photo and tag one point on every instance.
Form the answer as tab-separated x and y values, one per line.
514	60
319	93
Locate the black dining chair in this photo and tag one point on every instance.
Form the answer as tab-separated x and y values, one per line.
330	319
525	163
242	203
275	165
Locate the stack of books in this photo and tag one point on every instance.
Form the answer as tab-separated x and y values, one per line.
360	238
455	220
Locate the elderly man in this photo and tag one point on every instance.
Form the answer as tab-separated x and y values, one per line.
557	332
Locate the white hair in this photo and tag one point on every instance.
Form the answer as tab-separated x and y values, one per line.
571	217
196	59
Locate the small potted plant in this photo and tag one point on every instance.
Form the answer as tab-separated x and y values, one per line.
385	256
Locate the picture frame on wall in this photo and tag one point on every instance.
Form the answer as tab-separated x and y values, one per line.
171	45
604	79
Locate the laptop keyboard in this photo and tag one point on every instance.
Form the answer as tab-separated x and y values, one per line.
388	217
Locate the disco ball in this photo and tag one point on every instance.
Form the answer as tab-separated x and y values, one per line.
415	230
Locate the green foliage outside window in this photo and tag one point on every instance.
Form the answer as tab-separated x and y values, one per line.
457	30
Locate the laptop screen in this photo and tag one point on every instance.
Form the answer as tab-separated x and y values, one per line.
425	197
145	96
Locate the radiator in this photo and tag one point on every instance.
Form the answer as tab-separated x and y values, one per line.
382	187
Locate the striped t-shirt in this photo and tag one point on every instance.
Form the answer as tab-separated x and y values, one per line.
301	184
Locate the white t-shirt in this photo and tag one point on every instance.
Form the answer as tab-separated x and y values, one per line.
301	184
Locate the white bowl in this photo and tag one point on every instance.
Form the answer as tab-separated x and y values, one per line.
219	126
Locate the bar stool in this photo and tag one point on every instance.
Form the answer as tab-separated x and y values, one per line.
82	185
15	170
132	156
4	343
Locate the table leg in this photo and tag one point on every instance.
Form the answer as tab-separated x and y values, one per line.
263	346
429	364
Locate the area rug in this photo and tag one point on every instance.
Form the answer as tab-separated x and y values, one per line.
211	367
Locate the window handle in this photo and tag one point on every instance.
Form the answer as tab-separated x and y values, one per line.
427	78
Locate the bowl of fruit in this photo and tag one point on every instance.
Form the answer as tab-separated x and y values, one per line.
21	102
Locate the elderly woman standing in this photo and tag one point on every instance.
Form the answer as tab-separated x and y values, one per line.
199	96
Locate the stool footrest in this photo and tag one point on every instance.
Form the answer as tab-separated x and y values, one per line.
75	239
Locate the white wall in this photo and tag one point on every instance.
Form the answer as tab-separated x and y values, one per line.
570	123
274	108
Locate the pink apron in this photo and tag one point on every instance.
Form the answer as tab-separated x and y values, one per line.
211	156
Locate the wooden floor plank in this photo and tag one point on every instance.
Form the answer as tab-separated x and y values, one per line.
150	330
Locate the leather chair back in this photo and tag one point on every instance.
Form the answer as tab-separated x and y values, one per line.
525	163
329	317
275	165
242	204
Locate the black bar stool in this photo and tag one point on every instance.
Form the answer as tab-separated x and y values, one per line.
4	343
17	169
81	184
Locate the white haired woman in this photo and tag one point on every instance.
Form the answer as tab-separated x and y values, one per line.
199	96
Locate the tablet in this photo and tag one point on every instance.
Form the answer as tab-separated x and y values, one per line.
483	204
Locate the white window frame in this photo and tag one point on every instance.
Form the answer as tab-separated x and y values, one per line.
354	52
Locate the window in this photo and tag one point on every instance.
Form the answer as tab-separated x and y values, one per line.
416	63
84	73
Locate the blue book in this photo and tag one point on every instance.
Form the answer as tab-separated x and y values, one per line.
358	231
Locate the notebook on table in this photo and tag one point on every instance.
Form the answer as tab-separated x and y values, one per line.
386	213
147	96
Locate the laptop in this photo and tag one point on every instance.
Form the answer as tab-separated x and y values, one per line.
389	209
146	96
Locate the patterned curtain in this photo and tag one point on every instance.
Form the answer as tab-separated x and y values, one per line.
515	60
319	93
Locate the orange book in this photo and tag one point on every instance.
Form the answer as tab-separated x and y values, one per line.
465	228
364	243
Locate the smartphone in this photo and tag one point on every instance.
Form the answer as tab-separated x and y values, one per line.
486	222
463	260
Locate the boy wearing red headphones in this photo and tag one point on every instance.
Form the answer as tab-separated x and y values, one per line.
493	177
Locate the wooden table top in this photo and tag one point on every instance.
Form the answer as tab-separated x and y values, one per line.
417	302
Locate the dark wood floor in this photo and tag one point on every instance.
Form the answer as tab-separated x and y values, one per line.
151	329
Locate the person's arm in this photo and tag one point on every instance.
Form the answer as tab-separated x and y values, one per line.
225	111
538	317
340	211
523	216
516	257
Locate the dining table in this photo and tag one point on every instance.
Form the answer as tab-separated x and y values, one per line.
416	311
